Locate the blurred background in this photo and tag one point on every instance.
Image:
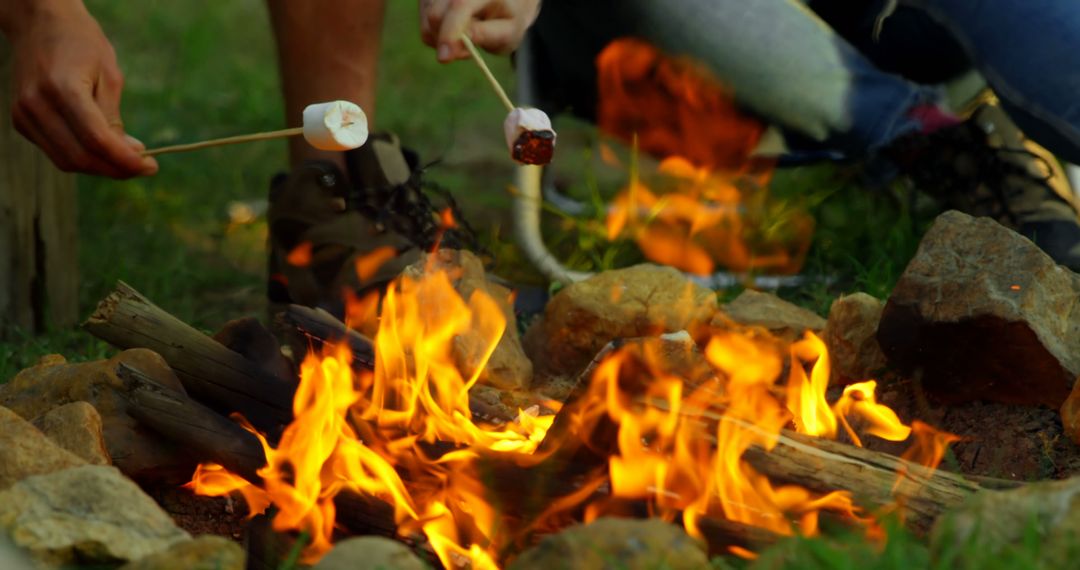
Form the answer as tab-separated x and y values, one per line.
192	238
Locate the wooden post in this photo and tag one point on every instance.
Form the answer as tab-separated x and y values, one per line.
38	255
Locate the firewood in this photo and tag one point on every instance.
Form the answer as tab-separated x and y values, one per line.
320	327
823	465
210	372
208	435
817	464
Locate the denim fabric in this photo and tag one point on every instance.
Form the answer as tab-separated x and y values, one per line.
782	62
787	65
1029	52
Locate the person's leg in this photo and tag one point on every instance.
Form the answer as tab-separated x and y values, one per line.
781	61
912	45
327	50
1029	52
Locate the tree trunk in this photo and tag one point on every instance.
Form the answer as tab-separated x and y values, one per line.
38	263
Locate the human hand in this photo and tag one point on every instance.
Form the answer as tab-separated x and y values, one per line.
68	87
494	25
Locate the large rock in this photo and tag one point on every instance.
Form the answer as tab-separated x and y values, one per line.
985	314
207	552
137	451
90	514
851	336
783	319
76	427
25	451
640	301
370	553
626	544
508	367
989	522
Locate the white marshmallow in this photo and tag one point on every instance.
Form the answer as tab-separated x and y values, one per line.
337	125
523	120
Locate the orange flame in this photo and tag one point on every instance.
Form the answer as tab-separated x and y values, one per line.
300	256
670	448
712	207
369	264
416	396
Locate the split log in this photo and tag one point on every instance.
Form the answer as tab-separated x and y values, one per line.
819	465
208	435
823	466
209	371
214	438
320	327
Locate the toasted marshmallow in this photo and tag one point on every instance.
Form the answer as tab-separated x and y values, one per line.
337	125
529	136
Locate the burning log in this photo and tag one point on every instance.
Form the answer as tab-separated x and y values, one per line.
209	371
212	437
209	435
320	327
876	479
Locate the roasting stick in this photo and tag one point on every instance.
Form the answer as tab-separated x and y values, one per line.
487	73
283	133
333	126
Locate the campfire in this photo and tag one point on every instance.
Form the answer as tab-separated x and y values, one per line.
388	435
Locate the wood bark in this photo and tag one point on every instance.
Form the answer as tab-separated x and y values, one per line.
210	372
875	479
319	327
208	435
38	237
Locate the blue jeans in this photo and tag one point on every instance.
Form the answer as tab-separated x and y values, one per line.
788	66
1029	53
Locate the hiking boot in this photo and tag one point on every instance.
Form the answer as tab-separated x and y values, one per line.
986	167
322	223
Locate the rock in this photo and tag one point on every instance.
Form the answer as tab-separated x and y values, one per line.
780	317
644	300
508	367
137	451
76	427
985	314
370	553
626	544
25	451
207	552
991	521
90	513
851	336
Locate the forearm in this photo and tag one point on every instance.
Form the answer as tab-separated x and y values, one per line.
18	15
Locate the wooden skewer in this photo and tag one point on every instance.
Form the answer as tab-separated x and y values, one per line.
224	141
487	72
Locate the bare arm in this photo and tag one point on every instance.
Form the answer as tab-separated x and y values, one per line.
67	88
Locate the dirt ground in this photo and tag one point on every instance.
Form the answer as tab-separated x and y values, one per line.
1023	443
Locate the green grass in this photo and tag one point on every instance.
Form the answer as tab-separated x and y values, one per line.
850	550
